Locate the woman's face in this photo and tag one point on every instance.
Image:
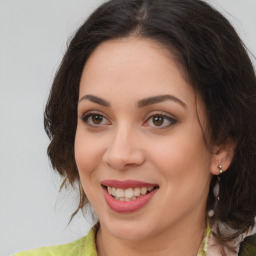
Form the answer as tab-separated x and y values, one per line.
137	133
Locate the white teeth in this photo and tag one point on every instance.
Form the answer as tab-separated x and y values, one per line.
125	199
136	192
143	191
120	192
129	193
113	191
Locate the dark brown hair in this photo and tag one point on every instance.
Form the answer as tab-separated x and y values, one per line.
217	65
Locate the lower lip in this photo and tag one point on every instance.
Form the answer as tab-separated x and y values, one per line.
128	206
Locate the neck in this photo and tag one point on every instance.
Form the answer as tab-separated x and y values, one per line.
174	242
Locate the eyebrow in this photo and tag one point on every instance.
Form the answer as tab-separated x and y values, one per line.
141	103
159	99
96	99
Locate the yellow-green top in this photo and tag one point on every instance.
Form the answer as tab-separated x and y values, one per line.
86	247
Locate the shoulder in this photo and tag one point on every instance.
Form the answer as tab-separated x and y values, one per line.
83	246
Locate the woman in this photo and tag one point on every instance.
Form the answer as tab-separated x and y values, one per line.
152	112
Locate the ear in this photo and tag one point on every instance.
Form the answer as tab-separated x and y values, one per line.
223	156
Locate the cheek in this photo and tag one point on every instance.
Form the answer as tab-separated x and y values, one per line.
184	168
88	152
183	158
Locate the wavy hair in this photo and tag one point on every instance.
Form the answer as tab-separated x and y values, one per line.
217	65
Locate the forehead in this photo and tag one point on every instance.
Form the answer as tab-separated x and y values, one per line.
126	71
131	64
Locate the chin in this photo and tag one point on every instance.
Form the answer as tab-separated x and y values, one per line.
128	229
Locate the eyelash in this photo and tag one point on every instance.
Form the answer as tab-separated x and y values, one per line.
87	119
165	117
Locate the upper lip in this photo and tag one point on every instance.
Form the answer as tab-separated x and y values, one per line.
127	184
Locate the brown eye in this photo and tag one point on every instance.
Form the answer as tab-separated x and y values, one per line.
97	119
94	119
158	120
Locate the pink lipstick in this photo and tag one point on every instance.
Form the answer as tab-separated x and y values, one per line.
129	195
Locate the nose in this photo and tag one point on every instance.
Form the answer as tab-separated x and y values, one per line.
123	151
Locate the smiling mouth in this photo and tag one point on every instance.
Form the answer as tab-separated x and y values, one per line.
128	194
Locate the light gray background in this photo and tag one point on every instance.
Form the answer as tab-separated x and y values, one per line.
33	36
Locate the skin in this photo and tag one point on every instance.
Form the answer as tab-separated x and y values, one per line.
127	144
